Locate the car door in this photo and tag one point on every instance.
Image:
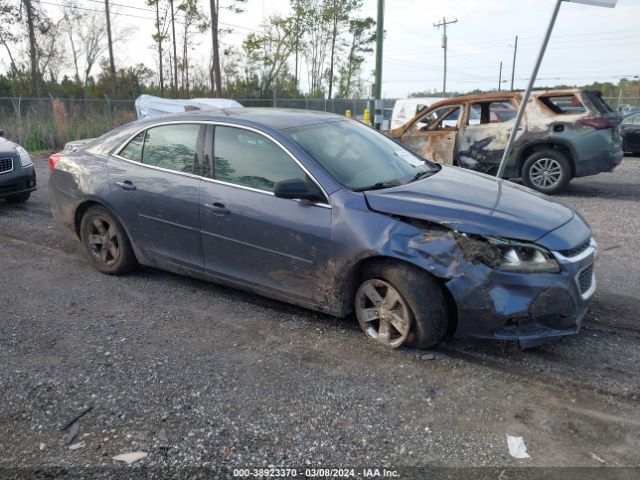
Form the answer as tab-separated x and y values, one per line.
433	135
248	234
484	135
155	185
630	131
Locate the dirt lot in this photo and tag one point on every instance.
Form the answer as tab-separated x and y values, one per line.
197	375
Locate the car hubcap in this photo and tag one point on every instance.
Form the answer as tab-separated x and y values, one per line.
382	313
545	173
103	241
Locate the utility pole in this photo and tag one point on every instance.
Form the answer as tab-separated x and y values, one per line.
513	68
444	46
377	87
500	77
112	65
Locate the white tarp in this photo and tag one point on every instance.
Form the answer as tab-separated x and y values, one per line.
148	106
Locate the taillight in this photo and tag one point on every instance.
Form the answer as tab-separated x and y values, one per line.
54	158
597	123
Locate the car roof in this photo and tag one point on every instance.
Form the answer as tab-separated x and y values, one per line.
275	118
503	95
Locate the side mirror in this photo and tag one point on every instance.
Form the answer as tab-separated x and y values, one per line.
297	189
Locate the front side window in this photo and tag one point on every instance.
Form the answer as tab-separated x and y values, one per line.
172	147
440	119
245	158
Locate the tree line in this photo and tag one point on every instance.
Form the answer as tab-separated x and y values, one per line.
69	51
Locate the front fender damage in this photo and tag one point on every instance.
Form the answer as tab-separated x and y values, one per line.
491	303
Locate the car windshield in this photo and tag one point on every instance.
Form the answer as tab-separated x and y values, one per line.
359	157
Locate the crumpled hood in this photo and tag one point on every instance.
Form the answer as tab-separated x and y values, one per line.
475	203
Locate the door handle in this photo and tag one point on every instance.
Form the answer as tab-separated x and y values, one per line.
126	185
217	208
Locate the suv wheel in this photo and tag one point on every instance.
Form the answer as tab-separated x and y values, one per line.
547	171
398	304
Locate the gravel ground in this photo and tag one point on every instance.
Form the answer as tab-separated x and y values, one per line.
202	376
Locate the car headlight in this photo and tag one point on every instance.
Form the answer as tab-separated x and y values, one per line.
523	257
25	159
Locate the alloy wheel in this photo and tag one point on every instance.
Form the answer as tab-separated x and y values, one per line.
383	313
545	173
103	241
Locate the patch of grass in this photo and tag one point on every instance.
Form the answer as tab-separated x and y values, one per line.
46	125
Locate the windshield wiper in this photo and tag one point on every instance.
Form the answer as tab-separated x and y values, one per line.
379	186
423	174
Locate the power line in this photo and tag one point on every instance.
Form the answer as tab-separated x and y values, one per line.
141	17
99	11
121	5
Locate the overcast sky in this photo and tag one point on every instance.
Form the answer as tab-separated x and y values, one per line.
588	43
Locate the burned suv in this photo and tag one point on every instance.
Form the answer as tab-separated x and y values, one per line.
564	134
17	174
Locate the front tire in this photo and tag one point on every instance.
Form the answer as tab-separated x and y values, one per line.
399	304
547	171
20	198
106	242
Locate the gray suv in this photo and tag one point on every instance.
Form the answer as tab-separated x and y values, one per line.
565	134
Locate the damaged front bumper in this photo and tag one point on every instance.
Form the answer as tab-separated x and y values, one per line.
531	308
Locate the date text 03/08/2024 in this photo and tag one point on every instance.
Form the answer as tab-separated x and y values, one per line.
315	473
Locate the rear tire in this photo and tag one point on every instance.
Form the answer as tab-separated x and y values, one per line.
106	242
547	171
408	300
20	198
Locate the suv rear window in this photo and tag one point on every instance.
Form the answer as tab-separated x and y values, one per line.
563	104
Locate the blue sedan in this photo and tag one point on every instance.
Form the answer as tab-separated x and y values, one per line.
320	211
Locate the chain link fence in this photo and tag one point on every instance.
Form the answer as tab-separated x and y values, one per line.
47	123
616	102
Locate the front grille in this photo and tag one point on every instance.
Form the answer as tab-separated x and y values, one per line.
585	279
572	252
6	165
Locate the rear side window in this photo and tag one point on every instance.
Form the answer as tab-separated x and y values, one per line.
564	104
482	113
172	147
246	158
133	150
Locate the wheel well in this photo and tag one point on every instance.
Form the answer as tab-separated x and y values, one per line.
355	276
531	149
80	211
